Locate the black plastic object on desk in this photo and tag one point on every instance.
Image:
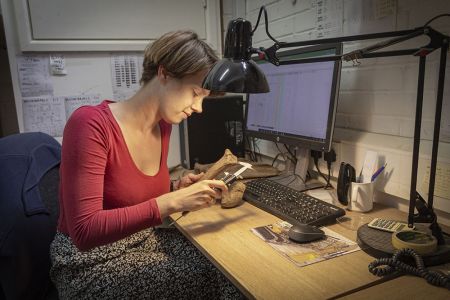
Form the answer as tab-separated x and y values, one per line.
290	205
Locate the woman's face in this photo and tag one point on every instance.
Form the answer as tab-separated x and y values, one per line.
182	97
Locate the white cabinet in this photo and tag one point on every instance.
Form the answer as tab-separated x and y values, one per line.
111	25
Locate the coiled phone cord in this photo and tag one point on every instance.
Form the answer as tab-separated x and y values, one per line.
384	266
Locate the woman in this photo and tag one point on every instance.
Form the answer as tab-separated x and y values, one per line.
115	186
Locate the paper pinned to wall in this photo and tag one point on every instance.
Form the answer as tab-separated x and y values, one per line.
384	8
125	76
441	186
329	14
140	65
71	103
44	114
34	76
58	64
49	114
368	16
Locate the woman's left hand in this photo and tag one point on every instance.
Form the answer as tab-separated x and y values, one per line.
187	180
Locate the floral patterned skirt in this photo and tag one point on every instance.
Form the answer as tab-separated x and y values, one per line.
151	264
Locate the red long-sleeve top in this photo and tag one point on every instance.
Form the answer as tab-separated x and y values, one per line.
103	196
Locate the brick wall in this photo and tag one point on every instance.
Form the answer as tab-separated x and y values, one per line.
376	108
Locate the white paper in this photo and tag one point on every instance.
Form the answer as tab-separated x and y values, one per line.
368	16
441	182
140	66
370	166
125	76
385	8
71	103
44	114
34	76
329	15
58	64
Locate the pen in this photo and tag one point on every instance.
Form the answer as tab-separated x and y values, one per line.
359	177
378	172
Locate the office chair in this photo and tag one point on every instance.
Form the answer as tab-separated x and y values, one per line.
29	210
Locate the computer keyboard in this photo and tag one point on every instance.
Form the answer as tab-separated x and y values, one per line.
290	205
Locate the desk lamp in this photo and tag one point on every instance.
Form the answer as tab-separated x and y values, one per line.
236	72
250	79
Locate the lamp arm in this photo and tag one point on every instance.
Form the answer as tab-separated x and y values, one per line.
360	53
436	41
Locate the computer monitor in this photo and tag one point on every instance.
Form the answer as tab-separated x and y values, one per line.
300	108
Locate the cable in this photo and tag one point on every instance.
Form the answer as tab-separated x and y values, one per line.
283	154
434	18
308	175
263	8
328	185
275	158
284	157
316	155
293	157
384	266
249	150
295	167
329	157
256	149
278	148
295	161
321	174
252	150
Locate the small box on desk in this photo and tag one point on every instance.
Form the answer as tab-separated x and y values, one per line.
204	137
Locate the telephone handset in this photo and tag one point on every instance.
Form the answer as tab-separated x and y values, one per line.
347	174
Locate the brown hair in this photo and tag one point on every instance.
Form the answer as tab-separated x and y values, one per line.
180	52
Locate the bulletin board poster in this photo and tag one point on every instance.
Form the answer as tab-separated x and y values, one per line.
42	110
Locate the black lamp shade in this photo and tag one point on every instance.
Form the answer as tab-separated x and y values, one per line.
236	72
236	76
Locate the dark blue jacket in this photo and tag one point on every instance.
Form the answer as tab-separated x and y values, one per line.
25	227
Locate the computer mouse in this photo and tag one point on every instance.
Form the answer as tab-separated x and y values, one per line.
304	233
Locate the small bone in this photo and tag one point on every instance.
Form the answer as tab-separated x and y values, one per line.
234	196
228	158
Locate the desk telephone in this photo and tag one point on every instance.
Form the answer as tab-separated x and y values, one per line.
347	174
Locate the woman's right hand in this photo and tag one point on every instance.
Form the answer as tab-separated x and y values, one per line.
194	197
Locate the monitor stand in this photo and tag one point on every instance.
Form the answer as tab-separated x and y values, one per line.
295	176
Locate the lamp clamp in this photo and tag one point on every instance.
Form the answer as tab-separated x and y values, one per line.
271	54
427	215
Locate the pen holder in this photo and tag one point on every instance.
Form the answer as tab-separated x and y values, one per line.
361	196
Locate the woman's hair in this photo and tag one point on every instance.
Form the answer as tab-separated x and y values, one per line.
180	52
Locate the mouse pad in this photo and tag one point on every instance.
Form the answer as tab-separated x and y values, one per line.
333	245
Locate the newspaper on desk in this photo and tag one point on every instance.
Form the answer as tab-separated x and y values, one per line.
333	245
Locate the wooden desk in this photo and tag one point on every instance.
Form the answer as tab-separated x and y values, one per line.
405	287
224	236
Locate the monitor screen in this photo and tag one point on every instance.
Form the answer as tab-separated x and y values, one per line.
300	108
